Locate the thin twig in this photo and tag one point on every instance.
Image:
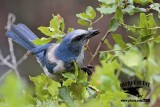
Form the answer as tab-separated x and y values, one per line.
24	57
88	49
117	50
6	58
98	19
98	47
14	62
4	61
11	20
136	27
13	65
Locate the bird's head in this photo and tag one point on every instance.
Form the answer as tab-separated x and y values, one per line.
77	38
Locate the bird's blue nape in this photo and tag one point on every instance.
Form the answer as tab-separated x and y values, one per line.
73	34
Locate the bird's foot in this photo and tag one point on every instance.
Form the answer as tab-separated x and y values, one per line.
87	69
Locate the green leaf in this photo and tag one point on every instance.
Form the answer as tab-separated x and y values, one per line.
111	59
62	25
45	86
58	35
105	78
132	57
147	21
45	30
143	24
155	6
108	1
151	23
158	15
83	22
82	77
70	30
69	75
41	41
53	87
78	91
102	56
54	24
143	2
90	12
113	25
144	38
55	30
64	94
118	39
68	82
131	9
76	69
108	44
157	39
145	50
119	14
107	10
83	16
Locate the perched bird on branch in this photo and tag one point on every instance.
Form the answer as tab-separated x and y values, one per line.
54	57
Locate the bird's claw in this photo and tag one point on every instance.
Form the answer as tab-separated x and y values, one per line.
87	69
90	66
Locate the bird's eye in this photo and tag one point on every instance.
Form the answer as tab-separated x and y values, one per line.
78	38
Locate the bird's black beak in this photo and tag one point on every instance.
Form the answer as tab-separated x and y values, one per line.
92	33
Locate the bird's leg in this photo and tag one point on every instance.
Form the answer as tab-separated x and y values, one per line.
87	69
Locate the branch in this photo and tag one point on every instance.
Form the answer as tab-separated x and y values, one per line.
98	47
14	62
88	49
13	65
136	27
4	61
98	19
11	20
24	57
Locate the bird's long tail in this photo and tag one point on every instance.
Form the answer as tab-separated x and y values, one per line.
22	35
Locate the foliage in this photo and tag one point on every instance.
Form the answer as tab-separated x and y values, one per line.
138	59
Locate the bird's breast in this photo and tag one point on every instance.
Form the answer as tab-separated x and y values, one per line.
51	59
80	58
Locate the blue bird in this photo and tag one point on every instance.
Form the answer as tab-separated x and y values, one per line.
54	57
